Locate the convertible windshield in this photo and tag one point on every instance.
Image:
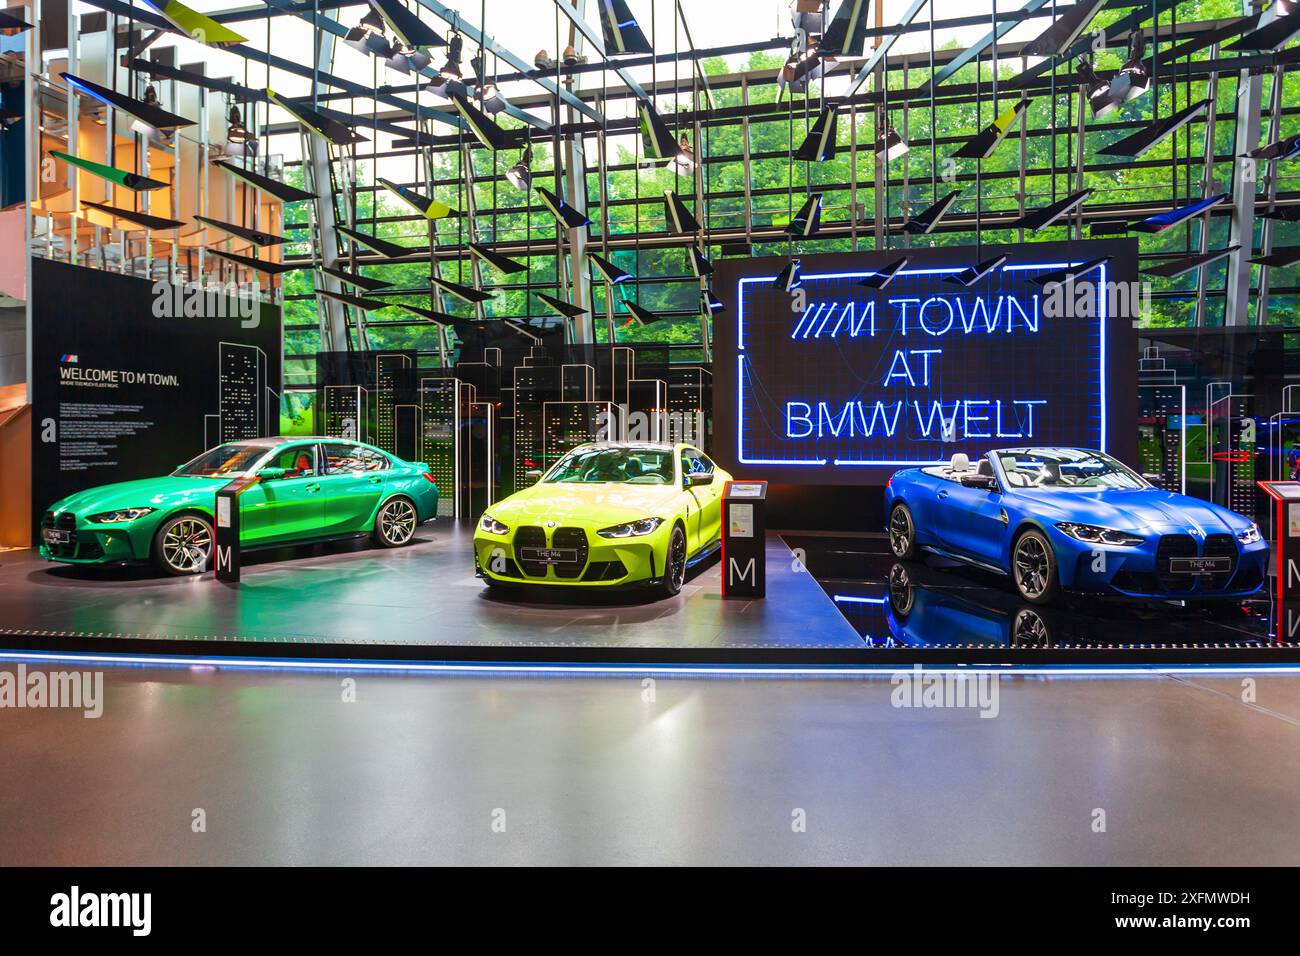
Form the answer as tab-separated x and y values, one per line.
223	460
631	465
1055	468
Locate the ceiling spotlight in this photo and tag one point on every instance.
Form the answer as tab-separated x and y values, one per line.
543	60
491	99
239	141
368	35
892	145
520	175
1132	80
451	69
807	15
572	57
684	161
1097	89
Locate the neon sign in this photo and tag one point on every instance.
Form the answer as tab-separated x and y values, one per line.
839	375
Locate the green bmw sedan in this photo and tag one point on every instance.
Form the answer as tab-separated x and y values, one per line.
308	490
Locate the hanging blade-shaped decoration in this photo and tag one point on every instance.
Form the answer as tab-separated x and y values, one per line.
1042	218
195	25
643	315
139	218
701	267
410	29
847	34
678	216
622	33
1144	139
355	301
466	293
272	187
1057	38
111	173
1279	258
425	206
151	116
261	265
710	303
12	22
480	124
608	271
560	306
881	278
496	260
822	140
972	274
924	223
661	145
1172	270
561	210
255	236
1068	274
330	130
1167	220
808	220
790	277
389	250
1270	37
462	327
983	145
1283	149
356	279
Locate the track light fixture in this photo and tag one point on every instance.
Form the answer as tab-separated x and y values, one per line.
1132	80
1096	89
455	46
891	145
520	175
368	35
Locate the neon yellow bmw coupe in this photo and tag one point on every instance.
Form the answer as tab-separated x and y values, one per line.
607	515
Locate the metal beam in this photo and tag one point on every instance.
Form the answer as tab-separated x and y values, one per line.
1003	27
695	60
459	24
883	49
597	43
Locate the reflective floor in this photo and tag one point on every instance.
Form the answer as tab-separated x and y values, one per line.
281	768
931	602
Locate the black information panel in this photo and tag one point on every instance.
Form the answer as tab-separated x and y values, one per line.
744	539
842	382
131	378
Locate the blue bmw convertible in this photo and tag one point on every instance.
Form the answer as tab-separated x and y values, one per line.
1058	519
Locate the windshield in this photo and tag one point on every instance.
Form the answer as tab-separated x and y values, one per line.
628	465
233	459
1055	468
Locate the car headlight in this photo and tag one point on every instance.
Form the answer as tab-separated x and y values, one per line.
1095	535
117	517
492	526
1251	535
633	529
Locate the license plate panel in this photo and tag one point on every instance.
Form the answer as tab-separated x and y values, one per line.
55	536
1218	565
550	555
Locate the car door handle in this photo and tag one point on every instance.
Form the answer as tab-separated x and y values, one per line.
313	488
943	494
375	479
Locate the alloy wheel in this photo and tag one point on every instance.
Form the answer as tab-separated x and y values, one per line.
900	532
186	545
397	521
677	560
1033	566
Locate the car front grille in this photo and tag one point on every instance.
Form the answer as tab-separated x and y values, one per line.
1175	546
574	538
530	537
67	521
1219	546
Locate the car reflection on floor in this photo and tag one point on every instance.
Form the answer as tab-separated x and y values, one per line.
934	603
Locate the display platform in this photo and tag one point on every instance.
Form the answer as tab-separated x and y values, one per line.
930	604
830	601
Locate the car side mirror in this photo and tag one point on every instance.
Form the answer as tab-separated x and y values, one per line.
271	474
987	482
534	474
693	480
1150	477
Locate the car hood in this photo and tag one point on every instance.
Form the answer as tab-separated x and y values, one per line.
594	505
1134	509
167	491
